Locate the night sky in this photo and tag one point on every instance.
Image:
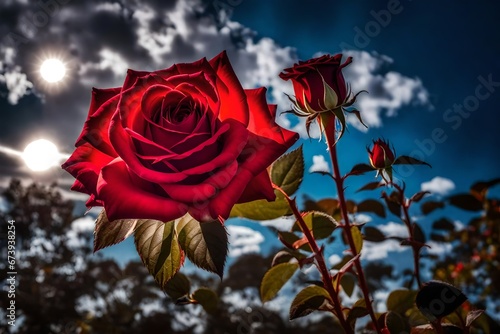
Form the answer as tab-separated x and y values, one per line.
432	70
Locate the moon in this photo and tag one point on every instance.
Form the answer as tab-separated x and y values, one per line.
41	155
52	70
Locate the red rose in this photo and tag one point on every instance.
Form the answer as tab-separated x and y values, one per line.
187	139
381	156
318	83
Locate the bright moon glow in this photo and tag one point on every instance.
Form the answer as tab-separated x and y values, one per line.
41	155
52	70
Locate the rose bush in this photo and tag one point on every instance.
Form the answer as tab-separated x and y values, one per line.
318	83
187	139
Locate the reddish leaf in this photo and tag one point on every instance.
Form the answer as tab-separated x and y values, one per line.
406	160
361	169
438	299
466	202
418	196
371	186
373	234
443	224
430	206
371	205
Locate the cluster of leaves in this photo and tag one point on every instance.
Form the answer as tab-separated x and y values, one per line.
475	245
419	308
63	287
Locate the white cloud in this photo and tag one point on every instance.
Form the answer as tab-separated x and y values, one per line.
392	229
438	185
281	223
243	240
17	84
12	76
109	61
334	259
319	164
388	91
380	250
84	224
438	248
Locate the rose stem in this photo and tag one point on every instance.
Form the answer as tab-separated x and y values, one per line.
406	219
328	121
320	262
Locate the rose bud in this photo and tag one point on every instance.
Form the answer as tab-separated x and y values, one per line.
381	156
318	83
187	139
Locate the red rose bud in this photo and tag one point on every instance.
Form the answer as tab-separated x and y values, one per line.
187	139
381	156
318	83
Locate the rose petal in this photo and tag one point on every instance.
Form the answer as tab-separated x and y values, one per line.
262	117
100	96
232	97
223	202
124	200
260	152
259	187
200	192
95	129
202	151
85	165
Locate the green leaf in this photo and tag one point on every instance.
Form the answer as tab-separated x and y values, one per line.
288	171
392	202
108	233
205	243
326	205
418	196
438	299
275	278
401	300
357	311
358	238
308	300
430	206
472	316
395	323
481	188
373	234
207	298
343	262
418	234
361	169
371	205
443	224
289	239
406	160
262	209
178	286
321	224
157	245
466	202
371	186
285	256
348	282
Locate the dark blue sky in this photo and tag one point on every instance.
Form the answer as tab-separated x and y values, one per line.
447	46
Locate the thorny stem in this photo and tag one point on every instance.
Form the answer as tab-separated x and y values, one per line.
320	263
405	204
328	121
